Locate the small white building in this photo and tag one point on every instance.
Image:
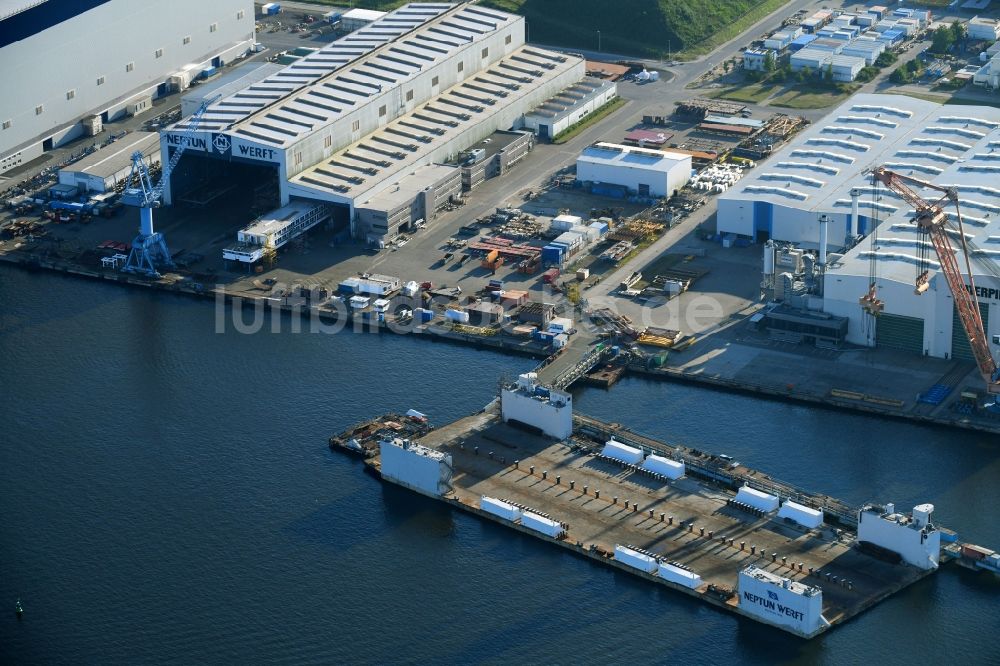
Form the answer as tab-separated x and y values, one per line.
755	60
355	19
415	466
913	536
103	169
647	172
845	68
984	28
570	106
780	601
529	403
869	49
813	58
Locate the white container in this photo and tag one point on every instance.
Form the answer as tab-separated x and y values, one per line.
803	515
680	576
546	526
660	465
757	499
460	316
635	559
499	508
622	452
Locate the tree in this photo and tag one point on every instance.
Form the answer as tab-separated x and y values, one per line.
957	31
886	58
828	74
901	75
769	62
805	74
943	39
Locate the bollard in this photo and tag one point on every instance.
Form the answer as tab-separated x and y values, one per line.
711	534
850	585
490	455
690	528
615	500
784	560
558	479
670	520
810	571
800	566
545	473
597	493
531	470
662	517
477	450
585	490
828	575
742	544
701	531
517	464
774	557
650	513
753	549
626	504
635	508
572	484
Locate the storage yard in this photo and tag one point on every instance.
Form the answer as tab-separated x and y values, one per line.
498	226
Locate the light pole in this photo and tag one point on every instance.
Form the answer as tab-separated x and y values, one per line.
598	41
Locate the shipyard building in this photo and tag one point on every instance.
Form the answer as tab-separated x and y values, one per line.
820	175
71	65
363	126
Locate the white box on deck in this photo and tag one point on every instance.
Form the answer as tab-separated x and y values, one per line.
619	451
803	515
680	576
757	499
635	559
665	466
541	524
499	508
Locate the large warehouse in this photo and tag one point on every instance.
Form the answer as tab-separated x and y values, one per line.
815	174
360	116
67	60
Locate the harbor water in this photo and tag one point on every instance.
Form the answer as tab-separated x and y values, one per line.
168	495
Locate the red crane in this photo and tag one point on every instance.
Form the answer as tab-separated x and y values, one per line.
932	220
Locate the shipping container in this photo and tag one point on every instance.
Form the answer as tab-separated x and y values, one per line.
549	276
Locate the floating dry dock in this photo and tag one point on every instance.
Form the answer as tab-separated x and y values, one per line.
701	524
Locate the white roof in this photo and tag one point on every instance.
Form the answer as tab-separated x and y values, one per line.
371	164
614	154
109	160
363	14
278	219
315	90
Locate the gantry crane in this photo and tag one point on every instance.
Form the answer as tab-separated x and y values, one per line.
932	220
149	249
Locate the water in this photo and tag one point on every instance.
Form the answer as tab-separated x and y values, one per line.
168	495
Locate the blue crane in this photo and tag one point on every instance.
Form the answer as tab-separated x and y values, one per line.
149	248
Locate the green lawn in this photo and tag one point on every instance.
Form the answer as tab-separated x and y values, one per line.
655	28
809	97
750	93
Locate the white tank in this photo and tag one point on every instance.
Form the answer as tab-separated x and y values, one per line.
769	258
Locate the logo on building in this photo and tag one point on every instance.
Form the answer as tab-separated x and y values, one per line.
772	595
222	144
